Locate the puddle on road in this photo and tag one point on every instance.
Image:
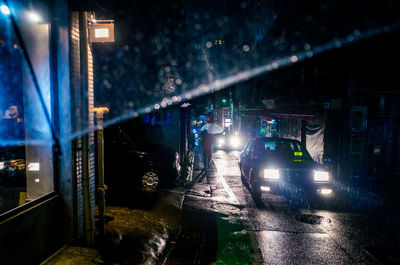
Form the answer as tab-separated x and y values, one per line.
233	241
200	189
225	208
312	219
220	192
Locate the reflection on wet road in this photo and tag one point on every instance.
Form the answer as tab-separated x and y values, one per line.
284	240
234	229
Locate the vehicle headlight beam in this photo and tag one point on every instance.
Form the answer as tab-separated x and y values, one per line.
321	176
272	174
234	141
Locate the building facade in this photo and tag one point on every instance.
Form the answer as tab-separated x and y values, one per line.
47	140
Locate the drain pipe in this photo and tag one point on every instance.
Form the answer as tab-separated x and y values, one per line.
101	187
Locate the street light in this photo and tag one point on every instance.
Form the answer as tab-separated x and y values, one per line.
33	16
5	10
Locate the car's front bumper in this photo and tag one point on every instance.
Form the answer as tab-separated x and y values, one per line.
323	189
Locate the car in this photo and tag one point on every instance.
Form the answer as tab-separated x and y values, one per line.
229	141
13	173
276	164
133	163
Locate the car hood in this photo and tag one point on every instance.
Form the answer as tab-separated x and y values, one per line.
289	163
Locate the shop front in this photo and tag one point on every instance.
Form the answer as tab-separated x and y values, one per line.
34	88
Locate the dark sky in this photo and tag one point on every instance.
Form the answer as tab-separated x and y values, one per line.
166	48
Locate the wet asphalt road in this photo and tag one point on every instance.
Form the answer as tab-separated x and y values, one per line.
222	224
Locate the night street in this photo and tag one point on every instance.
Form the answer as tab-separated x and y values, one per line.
182	132
222	224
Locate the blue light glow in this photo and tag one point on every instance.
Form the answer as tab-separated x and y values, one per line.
5	10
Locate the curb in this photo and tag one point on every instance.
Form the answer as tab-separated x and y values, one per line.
173	239
170	246
54	254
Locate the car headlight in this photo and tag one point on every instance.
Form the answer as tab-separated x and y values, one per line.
271	174
221	141
2	165
321	176
234	141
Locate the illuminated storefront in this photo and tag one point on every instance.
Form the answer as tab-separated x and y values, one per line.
35	164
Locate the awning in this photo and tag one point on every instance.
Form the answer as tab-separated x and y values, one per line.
305	112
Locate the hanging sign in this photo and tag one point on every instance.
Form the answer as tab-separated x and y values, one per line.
101	31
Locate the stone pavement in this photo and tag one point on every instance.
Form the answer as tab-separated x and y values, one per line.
133	235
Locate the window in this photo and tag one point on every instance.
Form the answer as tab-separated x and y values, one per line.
249	148
283	148
26	141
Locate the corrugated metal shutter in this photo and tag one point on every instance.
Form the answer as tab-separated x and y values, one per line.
92	158
77	147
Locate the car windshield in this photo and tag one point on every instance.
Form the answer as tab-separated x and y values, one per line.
282	148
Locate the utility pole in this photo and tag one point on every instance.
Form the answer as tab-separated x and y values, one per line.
101	187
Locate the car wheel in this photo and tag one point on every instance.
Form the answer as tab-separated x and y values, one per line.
255	189
150	181
256	193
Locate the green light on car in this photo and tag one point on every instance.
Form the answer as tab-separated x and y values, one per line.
298	153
